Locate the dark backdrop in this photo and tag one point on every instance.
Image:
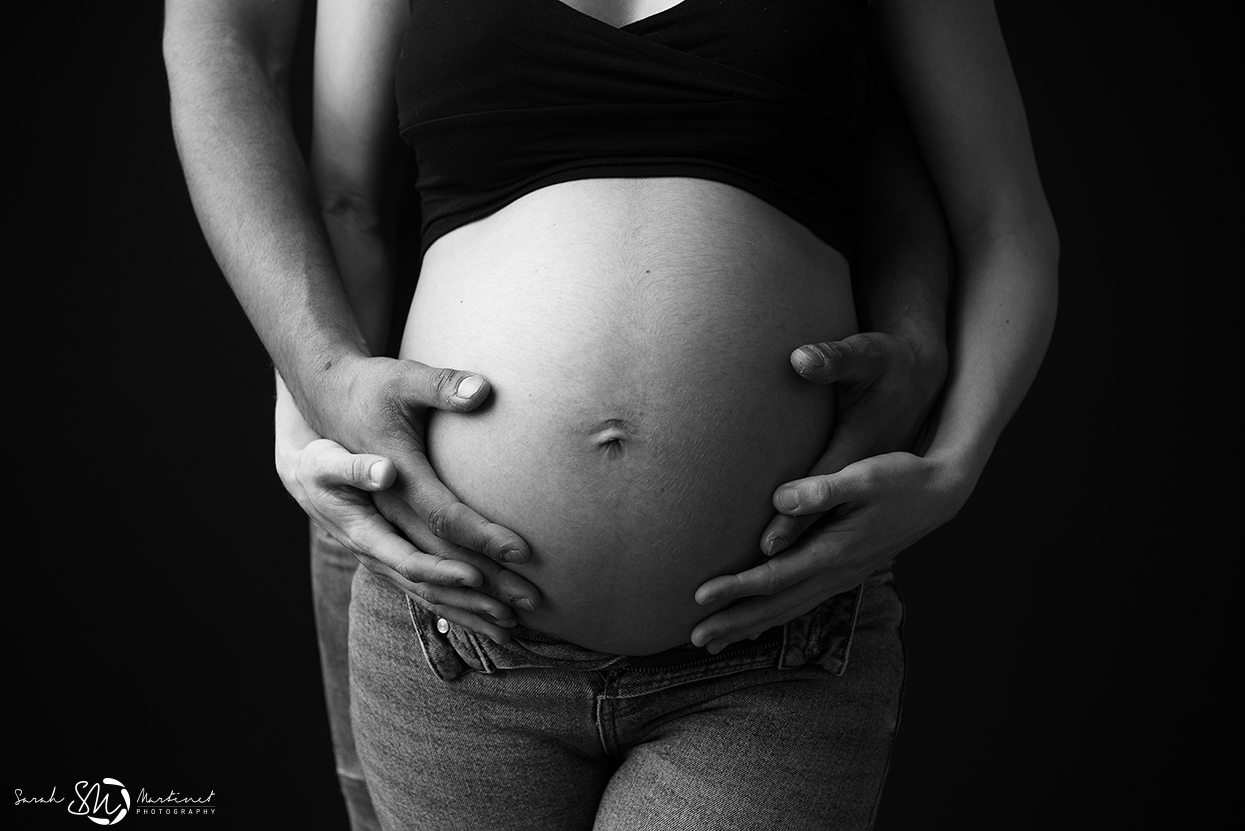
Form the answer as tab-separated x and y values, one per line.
161	630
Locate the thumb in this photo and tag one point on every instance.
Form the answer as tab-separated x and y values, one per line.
327	464
364	471
856	358
443	389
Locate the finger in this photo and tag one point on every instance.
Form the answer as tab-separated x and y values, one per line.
818	494
770	577
403	563
429	502
476	623
502	583
783	531
442	389
812	494
443	597
432	579
855	359
332	466
754	616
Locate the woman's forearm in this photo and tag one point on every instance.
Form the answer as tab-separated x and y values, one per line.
1003	314
955	79
356	152
364	255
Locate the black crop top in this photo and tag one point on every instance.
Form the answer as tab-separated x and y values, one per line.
499	98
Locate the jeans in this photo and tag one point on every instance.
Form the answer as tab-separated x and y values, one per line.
785	732
332	569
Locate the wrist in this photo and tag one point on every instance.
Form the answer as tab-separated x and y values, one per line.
291	431
958	467
322	386
928	345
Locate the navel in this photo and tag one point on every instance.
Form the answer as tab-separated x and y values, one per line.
611	437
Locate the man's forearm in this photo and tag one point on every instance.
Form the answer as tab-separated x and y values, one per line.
250	187
902	275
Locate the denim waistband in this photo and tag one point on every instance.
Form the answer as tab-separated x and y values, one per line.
822	636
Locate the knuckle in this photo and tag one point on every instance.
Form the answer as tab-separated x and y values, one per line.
442	383
769	580
868	348
819	492
868	478
358	469
438	519
407	571
423	591
443	519
831	351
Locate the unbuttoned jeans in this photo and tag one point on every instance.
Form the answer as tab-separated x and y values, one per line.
792	731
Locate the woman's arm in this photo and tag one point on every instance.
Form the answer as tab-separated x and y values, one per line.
952	70
953	73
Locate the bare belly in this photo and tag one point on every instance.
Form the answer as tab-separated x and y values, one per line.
636	333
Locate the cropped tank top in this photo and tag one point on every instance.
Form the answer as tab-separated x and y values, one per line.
499	98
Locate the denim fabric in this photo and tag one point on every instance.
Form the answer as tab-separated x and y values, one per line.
792	731
332	570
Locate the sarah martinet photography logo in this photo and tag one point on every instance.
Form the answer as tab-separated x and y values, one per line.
107	802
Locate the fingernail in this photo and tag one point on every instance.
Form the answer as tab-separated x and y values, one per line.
373	474
513	555
469	386
812	357
788	499
507	623
524	603
775	545
715	648
699	640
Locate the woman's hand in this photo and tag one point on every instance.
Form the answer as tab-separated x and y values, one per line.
336	488
863	508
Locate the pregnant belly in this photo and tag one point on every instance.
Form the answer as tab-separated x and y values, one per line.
636	334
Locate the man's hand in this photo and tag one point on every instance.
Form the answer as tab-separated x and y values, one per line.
337	489
864	508
378	405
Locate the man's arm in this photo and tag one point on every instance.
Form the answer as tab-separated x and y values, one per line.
227	62
228	65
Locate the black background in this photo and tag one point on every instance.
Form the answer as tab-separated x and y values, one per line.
161	628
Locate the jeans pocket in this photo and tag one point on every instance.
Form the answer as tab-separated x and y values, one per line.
824	636
450	654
